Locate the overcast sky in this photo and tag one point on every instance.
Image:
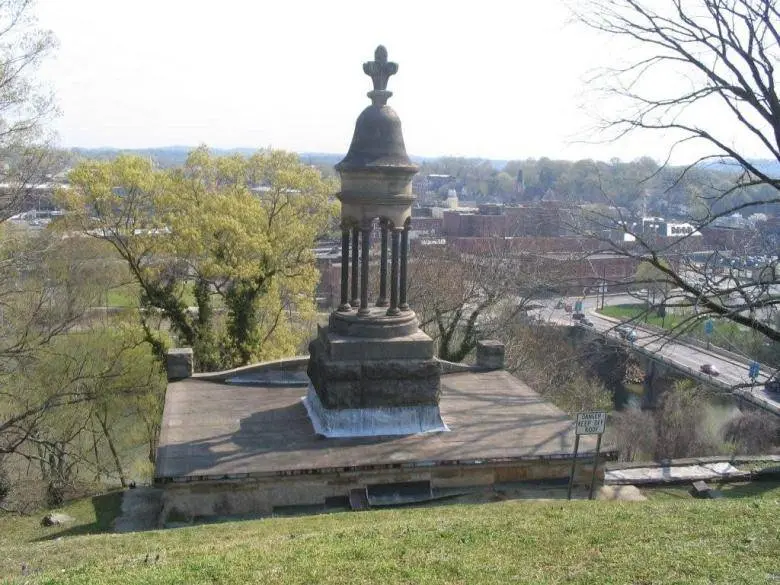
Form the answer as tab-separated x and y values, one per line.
498	79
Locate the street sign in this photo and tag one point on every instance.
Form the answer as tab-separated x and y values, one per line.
587	423
591	423
709	327
754	370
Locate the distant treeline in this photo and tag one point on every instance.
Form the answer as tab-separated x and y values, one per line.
637	185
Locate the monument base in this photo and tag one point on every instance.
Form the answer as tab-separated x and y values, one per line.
361	372
371	422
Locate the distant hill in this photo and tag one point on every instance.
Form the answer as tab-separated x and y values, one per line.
768	166
171	156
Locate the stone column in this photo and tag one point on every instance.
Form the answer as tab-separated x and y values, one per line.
396	239
403	305
382	300
344	306
354	297
365	239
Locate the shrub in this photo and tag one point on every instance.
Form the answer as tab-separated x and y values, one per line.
634	435
752	433
679	424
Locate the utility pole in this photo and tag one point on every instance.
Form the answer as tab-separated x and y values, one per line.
603	285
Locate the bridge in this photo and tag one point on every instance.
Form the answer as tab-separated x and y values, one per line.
681	355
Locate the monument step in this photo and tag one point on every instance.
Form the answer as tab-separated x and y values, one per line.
341	348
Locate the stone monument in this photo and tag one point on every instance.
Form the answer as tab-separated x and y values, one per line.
372	370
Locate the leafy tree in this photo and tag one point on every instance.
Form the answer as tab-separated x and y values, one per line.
78	405
506	183
62	365
547	175
236	233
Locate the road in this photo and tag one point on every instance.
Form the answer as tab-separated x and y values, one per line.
688	358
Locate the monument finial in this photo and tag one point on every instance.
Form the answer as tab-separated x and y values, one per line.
380	70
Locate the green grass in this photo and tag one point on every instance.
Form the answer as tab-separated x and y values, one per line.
765	489
127	296
664	541
639	314
122	296
726	334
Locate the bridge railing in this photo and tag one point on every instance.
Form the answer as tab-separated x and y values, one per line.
690	340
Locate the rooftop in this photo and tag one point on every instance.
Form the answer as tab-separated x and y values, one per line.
215	430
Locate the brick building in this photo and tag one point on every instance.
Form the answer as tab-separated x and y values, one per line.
547	219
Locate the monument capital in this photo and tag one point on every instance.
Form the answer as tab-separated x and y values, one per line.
380	69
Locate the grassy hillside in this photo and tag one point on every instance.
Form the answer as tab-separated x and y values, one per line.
667	540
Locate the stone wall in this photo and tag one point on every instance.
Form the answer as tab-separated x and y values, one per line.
245	496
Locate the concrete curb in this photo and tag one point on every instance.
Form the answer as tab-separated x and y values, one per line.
677	471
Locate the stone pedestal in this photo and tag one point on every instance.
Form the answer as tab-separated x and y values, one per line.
490	354
179	363
366	386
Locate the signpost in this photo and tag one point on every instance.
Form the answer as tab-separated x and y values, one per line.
587	423
754	370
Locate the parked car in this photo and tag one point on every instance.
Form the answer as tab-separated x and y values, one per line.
710	370
587	322
772	384
578	316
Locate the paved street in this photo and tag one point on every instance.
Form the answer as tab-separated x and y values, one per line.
733	372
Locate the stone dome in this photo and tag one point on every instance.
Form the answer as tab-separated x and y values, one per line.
377	143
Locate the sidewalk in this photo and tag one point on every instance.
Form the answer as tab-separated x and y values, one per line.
685	470
674	474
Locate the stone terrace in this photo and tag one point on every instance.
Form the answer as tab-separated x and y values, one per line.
213	430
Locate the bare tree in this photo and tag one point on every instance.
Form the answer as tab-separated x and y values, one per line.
461	298
557	365
26	159
717	60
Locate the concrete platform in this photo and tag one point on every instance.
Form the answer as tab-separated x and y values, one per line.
241	448
212	430
668	474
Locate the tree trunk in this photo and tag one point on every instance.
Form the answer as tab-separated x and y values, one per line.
112	448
